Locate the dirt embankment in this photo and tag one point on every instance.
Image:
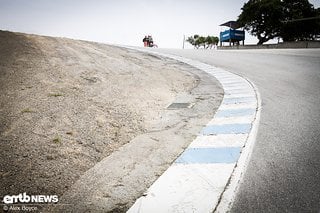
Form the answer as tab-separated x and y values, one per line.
67	104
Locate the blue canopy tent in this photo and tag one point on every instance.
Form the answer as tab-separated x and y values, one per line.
232	35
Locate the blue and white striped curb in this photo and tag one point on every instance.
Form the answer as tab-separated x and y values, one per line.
204	178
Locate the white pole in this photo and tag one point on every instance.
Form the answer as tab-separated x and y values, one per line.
184	38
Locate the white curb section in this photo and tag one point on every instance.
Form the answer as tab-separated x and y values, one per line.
206	176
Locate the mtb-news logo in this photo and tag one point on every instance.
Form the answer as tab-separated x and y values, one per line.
26	200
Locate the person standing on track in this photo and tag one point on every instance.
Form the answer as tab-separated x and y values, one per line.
145	41
150	43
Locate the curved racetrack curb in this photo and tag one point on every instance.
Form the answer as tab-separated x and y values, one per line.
205	177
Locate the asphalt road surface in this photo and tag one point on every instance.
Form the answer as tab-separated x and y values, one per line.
283	174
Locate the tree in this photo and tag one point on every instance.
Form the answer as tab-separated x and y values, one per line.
215	40
201	41
211	41
291	20
191	40
300	21
262	18
207	42
317	33
194	40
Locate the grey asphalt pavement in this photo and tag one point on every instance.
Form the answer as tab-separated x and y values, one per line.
283	174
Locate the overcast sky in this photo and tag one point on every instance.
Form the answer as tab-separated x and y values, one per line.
121	21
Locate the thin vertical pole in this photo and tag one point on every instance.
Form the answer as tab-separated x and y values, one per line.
184	38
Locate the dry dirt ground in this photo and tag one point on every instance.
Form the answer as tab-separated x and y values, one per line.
67	104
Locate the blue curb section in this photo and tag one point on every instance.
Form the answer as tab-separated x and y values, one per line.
209	155
227	129
235	112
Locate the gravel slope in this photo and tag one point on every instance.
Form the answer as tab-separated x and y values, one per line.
66	104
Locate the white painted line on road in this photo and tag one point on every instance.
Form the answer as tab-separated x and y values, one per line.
205	176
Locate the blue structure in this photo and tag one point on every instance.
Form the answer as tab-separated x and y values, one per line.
232	35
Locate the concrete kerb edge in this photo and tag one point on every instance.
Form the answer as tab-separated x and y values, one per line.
228	195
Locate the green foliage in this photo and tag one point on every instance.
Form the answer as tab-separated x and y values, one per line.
262	18
57	139
55	94
199	41
191	40
27	110
296	25
286	19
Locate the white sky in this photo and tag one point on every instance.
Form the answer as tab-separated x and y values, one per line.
121	21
